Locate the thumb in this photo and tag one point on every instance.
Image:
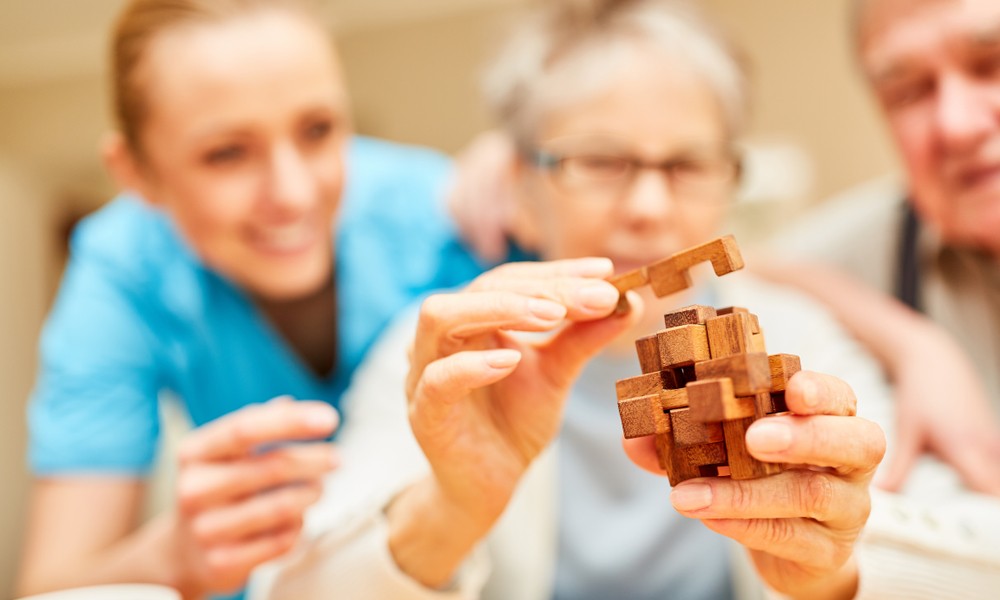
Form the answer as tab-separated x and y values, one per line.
901	460
567	352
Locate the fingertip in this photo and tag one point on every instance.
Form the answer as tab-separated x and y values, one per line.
593	266
321	418
502	359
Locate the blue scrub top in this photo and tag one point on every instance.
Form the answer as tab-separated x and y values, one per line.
138	314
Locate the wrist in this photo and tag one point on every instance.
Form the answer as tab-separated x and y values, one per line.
843	584
430	535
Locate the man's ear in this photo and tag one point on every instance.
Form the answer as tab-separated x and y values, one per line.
123	165
525	227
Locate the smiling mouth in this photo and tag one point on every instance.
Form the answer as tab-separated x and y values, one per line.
976	177
285	239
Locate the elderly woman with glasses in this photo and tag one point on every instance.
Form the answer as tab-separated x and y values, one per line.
509	479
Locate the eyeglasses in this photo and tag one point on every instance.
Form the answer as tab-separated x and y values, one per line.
704	177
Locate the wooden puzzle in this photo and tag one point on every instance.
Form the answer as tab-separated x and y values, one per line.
705	377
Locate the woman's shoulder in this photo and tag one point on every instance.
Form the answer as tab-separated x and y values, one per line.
127	231
389	179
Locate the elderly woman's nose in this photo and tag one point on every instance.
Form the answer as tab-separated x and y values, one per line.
649	196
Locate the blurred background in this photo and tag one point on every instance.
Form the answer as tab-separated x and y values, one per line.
413	68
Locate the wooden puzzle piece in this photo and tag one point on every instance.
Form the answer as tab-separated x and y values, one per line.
714	400
741	464
682	346
688	462
689	431
670	275
643	416
648	350
782	367
730	334
645	384
696	314
750	373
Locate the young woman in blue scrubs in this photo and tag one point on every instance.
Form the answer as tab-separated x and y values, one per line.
257	252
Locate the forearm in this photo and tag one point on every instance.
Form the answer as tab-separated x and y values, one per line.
142	556
430	537
889	329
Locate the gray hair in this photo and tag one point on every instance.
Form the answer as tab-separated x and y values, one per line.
563	49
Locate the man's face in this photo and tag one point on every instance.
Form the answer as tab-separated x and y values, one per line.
935	69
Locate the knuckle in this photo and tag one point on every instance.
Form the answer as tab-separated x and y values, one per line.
817	495
202	531
431	312
741	496
189	496
780	532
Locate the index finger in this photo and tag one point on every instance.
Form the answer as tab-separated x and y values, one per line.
811	393
244	431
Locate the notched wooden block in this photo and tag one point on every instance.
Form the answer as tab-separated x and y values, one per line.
643	416
691	432
750	372
729	334
713	400
646	384
682	346
782	367
630	280
648	351
696	314
741	464
625	282
671	399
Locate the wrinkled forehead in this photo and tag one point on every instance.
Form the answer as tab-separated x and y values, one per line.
892	34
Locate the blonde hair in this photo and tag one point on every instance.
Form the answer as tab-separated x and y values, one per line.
141	21
556	55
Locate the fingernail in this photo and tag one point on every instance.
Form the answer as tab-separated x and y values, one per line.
598	296
323	419
694	496
546	310
593	267
503	359
770	437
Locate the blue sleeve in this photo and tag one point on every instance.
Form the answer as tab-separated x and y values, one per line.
94	408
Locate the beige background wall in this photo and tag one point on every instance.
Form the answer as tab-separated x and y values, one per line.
413	75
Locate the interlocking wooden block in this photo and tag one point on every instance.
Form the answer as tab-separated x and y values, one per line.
646	384
729	334
648	350
762	404
682	346
700	461
782	367
671	275
741	464
671	399
643	416
757	343
625	282
696	314
713	400
750	373
691	432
